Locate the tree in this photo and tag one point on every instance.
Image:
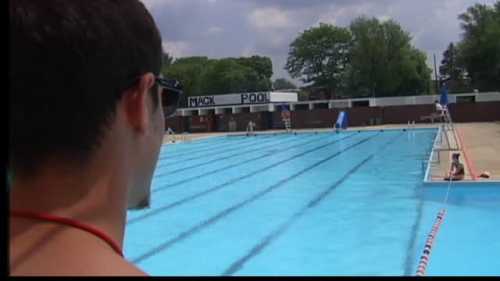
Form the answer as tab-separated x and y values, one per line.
283	84
383	62
203	76
166	60
452	71
190	72
319	55
479	50
449	69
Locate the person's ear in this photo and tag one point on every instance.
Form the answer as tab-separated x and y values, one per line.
135	100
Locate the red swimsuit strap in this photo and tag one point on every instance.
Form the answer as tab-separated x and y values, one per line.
88	228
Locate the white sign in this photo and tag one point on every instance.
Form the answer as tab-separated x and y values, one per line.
232	99
240	99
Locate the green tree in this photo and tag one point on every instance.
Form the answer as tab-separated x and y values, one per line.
166	60
190	72
203	76
263	66
479	50
319	56
383	61
450	69
283	84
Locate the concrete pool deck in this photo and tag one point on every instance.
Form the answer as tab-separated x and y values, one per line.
479	145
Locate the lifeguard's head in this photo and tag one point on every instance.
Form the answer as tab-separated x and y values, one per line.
83	80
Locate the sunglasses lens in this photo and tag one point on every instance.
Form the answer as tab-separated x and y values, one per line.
170	100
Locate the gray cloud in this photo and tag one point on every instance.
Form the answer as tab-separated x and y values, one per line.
222	28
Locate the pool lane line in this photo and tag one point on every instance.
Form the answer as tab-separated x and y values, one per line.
415	229
412	243
183	147
198	143
214	149
227	211
230	166
241	149
470	166
209	162
238	264
229	182
211	148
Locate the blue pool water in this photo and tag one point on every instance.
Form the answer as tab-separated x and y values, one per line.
309	204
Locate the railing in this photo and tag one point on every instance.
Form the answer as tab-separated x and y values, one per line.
430	161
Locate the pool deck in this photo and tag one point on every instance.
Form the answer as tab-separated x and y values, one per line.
479	146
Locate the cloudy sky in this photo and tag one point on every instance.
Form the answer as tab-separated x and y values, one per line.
232	28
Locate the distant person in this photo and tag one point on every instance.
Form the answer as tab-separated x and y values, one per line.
250	128
440	109
457	171
286	117
232	124
86	123
171	132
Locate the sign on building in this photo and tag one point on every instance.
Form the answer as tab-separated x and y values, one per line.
241	99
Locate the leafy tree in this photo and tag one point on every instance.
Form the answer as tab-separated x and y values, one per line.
263	66
479	50
319	55
167	60
452	71
449	69
203	76
383	62
190	72
283	84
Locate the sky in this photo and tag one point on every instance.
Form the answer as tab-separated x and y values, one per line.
234	28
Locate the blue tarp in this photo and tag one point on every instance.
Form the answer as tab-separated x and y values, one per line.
342	121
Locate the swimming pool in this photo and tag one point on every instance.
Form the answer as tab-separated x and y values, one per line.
351	203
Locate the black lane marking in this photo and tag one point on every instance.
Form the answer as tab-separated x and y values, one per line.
194	144
237	265
409	270
211	149
214	150
187	147
257	249
227	183
233	208
211	161
204	144
244	162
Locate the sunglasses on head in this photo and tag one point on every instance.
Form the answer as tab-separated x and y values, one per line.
171	92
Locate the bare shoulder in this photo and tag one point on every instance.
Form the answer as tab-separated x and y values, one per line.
110	264
125	268
56	263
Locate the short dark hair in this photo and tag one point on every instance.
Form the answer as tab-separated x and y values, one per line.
70	63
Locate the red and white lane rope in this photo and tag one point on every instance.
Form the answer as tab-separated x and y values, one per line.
425	258
431	238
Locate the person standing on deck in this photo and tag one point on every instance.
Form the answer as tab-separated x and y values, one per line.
286	117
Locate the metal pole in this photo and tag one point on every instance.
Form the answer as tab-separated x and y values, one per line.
436	76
